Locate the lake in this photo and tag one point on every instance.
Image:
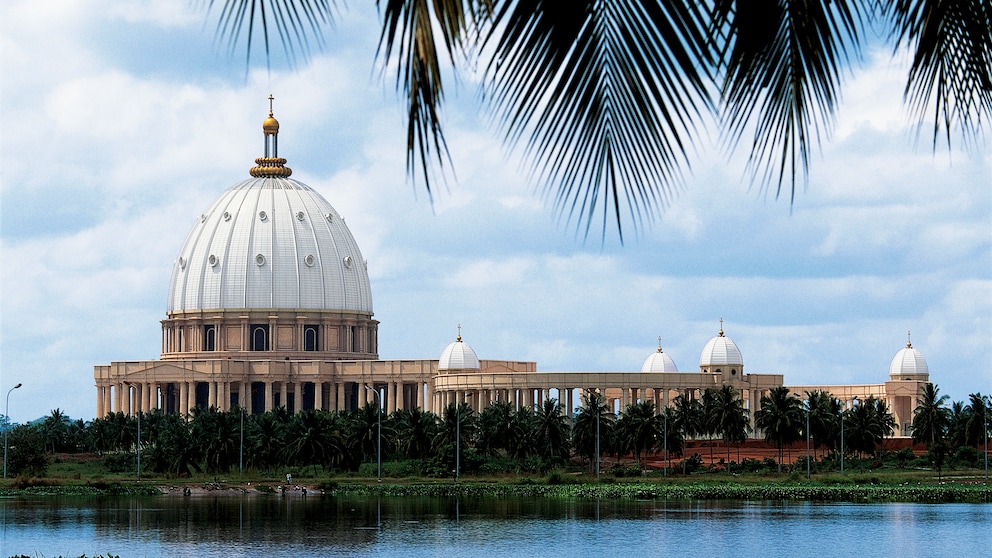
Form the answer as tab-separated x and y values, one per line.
294	525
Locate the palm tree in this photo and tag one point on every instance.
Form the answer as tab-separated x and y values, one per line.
606	99
823	413
551	430
414	429
639	429
495	427
728	416
977	423
930	422
782	419
594	421
868	425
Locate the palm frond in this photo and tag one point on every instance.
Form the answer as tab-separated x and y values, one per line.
782	62
408	38
296	22
603	97
951	74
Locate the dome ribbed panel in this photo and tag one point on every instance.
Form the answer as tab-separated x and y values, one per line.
295	226
458	355
720	351
659	362
908	361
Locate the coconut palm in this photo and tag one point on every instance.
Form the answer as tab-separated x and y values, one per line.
728	416
552	431
930	422
639	429
781	418
495	428
414	429
607	98
977	422
594	421
823	416
868	424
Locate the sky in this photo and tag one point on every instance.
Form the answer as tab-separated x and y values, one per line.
124	120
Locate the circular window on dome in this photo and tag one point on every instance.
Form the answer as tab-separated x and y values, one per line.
309	260
347	262
212	260
259	260
182	264
299	216
329	217
227	216
262	216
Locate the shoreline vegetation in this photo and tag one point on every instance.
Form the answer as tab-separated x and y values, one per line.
865	487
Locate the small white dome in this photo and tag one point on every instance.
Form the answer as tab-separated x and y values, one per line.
721	351
908	361
659	361
458	355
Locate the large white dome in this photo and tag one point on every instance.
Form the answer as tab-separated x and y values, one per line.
908	361
270	242
458	355
721	351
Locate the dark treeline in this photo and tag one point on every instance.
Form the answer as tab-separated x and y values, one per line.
498	439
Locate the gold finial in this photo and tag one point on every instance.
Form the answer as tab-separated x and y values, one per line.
721	326
909	339
271	164
270	126
659	344
459	338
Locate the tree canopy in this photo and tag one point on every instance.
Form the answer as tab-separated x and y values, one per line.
607	99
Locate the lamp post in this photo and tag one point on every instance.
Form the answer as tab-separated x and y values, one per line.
138	416
6	415
665	467
378	400
594	397
807	440
458	440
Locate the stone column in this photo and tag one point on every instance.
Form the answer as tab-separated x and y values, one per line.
192	395
298	396
390	397
268	396
212	394
339	396
318	395
283	392
183	398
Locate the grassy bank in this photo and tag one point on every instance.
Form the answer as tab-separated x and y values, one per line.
84	479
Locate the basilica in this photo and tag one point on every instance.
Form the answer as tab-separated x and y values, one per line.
270	305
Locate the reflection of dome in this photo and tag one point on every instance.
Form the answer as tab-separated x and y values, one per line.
908	361
458	355
659	361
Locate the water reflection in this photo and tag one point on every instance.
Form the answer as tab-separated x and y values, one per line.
236	525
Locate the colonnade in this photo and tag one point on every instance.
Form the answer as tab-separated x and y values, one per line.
256	396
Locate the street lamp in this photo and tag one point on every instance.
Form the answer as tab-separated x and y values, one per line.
138	415
458	440
807	439
6	415
665	467
378	399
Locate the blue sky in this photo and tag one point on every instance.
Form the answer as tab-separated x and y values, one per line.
123	121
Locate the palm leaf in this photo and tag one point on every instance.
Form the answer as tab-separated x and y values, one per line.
782	63
603	97
951	74
296	22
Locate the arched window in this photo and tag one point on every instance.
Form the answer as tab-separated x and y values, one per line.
311	338
210	338
260	337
